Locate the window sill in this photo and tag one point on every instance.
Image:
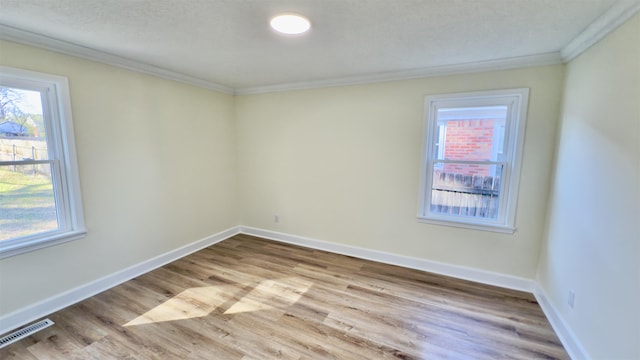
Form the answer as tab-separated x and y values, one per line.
467	225
21	246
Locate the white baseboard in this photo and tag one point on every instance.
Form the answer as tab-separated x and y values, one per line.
569	340
460	272
565	334
43	308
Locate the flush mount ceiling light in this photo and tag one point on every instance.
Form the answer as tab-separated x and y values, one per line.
290	24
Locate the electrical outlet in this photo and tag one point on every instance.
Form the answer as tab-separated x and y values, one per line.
571	298
276	218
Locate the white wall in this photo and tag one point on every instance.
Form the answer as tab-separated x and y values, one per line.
342	165
157	168
593	241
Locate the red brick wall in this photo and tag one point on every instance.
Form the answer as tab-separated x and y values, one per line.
468	140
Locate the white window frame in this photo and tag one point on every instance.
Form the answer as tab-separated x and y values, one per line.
56	105
516	101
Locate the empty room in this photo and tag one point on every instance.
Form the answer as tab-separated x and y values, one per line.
320	179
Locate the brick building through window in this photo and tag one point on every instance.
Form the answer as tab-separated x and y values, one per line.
479	137
471	160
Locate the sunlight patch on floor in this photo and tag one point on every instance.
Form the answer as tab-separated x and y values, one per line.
191	303
271	294
201	301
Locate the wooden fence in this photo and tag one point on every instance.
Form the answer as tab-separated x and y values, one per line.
466	195
12	149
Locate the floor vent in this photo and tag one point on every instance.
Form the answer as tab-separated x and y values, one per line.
24	332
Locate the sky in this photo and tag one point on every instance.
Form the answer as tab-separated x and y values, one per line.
30	102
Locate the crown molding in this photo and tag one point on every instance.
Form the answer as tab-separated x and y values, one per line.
620	12
41	41
433	71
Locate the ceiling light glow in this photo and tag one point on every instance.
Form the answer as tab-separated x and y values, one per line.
290	24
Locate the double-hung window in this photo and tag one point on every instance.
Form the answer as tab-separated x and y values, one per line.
40	202
471	156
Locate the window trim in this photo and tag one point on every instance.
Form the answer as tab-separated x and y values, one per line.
60	136
517	102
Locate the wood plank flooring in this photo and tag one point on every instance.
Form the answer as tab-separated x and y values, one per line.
250	298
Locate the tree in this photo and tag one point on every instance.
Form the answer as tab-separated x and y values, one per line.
9	109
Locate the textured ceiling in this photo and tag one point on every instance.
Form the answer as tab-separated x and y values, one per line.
229	42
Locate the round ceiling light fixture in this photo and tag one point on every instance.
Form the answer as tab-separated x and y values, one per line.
290	24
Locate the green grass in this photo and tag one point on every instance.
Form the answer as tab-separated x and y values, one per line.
27	204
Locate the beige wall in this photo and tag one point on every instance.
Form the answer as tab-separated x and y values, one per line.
593	241
342	165
157	167
163	164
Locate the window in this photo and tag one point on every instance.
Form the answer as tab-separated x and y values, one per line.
40	201
471	159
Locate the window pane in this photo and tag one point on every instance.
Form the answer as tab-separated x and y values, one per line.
38	207
469	190
27	202
21	114
475	134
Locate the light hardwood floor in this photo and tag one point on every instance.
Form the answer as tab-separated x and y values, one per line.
250	298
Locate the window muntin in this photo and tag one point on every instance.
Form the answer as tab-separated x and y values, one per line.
471	159
39	184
